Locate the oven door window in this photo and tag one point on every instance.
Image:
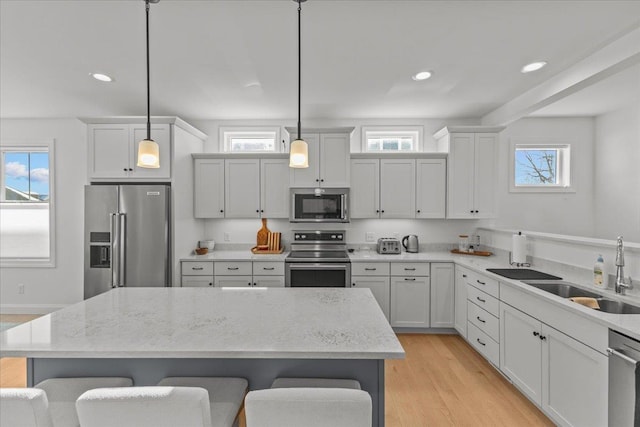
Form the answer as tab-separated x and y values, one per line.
324	278
309	206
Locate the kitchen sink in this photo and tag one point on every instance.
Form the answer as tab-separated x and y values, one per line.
562	289
617	307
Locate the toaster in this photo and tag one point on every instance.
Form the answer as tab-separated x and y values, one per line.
387	245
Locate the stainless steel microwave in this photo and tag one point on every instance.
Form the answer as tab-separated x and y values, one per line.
319	205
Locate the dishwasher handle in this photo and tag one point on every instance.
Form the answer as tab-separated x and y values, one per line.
621	355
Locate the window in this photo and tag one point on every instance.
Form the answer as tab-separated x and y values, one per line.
26	204
391	139
540	167
250	140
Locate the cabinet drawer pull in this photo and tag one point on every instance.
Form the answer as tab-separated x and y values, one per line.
480	342
464	276
411	279
482	283
197	268
268	268
409	269
232	268
483	321
370	269
481	300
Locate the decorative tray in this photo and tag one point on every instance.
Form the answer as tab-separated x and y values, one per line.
255	250
476	253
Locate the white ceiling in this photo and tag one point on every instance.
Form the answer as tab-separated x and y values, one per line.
237	59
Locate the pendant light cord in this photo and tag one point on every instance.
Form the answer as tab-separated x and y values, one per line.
148	85
299	68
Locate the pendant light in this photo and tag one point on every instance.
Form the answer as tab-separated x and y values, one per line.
299	151
148	149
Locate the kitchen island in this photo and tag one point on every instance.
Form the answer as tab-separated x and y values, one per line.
258	334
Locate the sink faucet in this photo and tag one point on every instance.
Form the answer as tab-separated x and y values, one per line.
620	285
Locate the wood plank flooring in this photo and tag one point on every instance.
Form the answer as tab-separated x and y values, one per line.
441	382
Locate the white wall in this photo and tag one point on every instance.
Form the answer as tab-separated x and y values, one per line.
563	213
617	174
49	288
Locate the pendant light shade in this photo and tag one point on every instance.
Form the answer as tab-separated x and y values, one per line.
148	149
299	150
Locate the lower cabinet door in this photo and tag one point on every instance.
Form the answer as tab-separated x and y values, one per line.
521	351
442	295
269	281
233	281
197	281
574	381
460	315
410	302
379	288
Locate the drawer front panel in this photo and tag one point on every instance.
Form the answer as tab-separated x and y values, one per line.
194	268
484	283
486	322
242	268
233	282
409	268
483	300
370	269
262	268
484	344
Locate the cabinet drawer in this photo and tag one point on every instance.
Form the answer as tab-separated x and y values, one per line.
225	268
484	344
483	300
194	268
370	269
197	281
268	268
484	283
409	268
269	281
486	322
233	281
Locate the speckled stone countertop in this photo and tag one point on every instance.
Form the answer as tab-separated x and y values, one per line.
236	255
302	323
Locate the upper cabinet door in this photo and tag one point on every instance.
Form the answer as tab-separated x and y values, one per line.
334	160
461	173
431	189
397	188
308	177
242	188
365	188
161	134
274	188
209	188
108	151
485	175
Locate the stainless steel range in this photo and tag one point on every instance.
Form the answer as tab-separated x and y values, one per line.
318	259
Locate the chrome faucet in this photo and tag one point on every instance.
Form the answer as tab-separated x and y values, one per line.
620	285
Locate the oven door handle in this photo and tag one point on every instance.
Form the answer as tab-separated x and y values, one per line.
317	266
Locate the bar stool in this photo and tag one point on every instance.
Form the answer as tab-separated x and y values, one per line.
226	395
24	407
152	406
62	394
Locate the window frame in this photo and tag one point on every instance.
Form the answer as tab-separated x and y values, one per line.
564	165
32	146
417	132
226	133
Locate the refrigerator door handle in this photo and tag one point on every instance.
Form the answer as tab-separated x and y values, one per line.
114	234
122	231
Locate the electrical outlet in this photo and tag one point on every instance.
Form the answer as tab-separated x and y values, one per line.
21	288
227	237
369	236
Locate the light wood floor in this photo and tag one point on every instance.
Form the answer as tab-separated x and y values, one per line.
441	382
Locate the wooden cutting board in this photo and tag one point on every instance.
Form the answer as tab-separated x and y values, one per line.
263	234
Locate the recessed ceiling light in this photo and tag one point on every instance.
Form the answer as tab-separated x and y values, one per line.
534	66
422	75
101	77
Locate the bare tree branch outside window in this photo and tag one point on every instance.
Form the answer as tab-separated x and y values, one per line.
536	167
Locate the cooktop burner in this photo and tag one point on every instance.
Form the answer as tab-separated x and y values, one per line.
522	274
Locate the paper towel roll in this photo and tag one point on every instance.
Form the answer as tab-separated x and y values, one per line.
519	249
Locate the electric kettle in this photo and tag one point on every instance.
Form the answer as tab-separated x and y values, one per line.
410	243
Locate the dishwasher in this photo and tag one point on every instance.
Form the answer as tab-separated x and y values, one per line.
624	380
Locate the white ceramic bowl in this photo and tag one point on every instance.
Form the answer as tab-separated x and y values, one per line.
209	244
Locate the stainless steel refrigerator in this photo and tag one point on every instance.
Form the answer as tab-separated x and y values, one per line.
126	237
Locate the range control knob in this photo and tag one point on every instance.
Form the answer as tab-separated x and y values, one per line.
297	236
384	249
303	236
333	236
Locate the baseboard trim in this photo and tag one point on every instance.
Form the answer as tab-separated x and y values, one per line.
30	308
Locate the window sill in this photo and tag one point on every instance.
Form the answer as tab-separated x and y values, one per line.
542	190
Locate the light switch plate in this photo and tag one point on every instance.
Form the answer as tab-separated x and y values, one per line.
370	236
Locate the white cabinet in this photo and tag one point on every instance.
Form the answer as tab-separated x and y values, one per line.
235	274
242	188
410	294
233	281
274	188
472	168
328	158
379	288
197	281
375	185
566	378
460	322
209	188
442	295
197	274
113	151
268	281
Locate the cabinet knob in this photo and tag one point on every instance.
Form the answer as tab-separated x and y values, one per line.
353	285
210	284
249	284
382	211
258	210
125	169
317	180
418	210
255	284
377	210
261	210
130	169
322	180
477	211
470	211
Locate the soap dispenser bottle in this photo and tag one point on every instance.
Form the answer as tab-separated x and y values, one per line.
599	273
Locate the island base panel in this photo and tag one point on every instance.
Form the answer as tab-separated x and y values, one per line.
259	372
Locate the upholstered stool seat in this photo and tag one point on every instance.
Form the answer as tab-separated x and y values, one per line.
315	382
24	407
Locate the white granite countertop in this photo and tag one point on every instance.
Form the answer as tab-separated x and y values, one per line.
373	256
236	255
303	323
